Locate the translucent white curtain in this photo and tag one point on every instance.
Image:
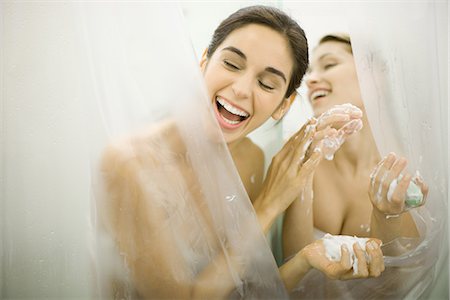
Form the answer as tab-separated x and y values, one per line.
168	203
402	68
400	50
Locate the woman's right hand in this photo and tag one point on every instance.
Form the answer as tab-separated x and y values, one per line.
287	174
334	126
373	266
296	162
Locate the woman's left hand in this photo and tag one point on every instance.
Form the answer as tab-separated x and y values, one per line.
387	198
370	266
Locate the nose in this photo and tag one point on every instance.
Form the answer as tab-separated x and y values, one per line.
312	78
242	86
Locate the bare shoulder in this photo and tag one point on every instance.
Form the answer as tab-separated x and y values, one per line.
249	153
147	147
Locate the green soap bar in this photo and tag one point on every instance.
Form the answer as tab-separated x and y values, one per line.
414	195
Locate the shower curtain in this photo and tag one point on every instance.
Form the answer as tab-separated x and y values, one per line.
400	53
86	84
169	203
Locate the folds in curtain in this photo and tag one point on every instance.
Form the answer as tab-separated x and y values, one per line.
402	69
400	54
169	207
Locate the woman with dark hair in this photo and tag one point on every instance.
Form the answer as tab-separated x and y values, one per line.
256	60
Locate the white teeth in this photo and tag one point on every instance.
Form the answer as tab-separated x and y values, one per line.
319	93
232	109
230	121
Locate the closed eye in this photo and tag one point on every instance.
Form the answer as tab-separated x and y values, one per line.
230	65
265	86
327	66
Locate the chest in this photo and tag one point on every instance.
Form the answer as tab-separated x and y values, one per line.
341	205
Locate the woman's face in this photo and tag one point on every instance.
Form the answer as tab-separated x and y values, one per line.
331	78
247	78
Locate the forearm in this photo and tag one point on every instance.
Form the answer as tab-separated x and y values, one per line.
294	270
216	281
266	214
388	228
298	225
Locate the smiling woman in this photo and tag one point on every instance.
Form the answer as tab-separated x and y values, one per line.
165	200
240	77
358	192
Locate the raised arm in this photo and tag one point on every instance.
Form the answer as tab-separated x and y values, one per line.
332	128
287	175
390	218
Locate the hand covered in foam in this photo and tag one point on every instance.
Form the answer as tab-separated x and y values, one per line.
334	126
289	172
345	257
393	190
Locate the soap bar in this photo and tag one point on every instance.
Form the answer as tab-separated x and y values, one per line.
333	243
414	195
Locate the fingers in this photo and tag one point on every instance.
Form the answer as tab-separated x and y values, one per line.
379	175
368	262
347	108
385	185
333	120
376	260
346	261
352	126
391	191
301	146
375	171
311	164
398	166
343	268
327	141
321	134
423	187
384	169
362	270
399	194
302	136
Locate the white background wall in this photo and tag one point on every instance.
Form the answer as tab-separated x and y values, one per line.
45	176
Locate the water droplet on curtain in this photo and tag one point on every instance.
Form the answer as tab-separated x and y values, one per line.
230	198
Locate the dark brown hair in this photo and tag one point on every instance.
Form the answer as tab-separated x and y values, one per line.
276	20
337	37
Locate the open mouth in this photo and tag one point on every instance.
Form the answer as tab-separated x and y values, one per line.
230	116
317	95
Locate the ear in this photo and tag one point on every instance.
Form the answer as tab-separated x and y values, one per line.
204	59
283	108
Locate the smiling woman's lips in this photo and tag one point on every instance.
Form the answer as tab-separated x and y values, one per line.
227	119
228	115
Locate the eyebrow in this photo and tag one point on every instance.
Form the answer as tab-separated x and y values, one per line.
276	72
308	70
235	50
268	69
325	54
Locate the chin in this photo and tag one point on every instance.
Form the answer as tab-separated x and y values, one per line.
319	110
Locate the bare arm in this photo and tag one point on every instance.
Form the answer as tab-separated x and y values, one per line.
389	219
298	224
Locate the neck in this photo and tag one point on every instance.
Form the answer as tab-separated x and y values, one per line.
359	154
233	146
